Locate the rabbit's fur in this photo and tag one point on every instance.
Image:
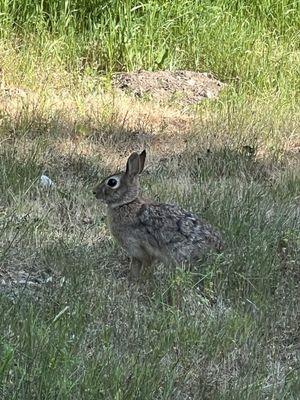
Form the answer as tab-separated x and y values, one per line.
151	231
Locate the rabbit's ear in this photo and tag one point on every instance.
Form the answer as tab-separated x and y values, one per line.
142	159
133	165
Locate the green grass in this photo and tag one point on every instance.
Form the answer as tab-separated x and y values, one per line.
255	45
227	330
72	327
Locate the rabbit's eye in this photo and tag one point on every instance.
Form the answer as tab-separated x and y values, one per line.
112	182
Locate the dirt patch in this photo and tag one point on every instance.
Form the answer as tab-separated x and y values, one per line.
181	87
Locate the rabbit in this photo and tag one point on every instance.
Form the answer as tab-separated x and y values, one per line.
149	231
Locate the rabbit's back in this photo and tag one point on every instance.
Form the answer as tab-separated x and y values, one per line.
183	235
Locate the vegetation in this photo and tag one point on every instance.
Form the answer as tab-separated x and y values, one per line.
72	326
255	45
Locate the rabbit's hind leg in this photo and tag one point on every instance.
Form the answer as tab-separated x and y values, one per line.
141	269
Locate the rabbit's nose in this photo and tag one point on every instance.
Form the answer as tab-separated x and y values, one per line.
94	192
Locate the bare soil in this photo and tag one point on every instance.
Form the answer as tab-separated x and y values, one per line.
182	87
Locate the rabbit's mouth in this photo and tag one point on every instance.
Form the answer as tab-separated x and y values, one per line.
97	194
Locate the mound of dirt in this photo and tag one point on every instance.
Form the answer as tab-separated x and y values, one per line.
182	87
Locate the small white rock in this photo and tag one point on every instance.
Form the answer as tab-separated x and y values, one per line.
46	182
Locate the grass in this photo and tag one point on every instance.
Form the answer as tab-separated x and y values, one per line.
255	46
71	325
77	329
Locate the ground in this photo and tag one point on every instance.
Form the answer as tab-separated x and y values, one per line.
72	325
187	87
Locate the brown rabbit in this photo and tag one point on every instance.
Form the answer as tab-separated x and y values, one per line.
151	231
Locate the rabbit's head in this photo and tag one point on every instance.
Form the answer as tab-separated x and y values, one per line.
122	188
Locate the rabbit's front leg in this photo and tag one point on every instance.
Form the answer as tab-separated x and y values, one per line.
135	269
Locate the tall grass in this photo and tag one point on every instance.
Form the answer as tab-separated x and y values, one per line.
253	44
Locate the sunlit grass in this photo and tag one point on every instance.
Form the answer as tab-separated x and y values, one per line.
255	45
